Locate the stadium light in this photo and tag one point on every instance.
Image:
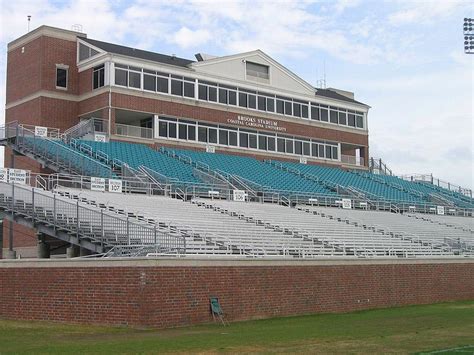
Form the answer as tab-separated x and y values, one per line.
468	35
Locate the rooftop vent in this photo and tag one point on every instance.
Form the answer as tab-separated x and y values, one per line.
201	57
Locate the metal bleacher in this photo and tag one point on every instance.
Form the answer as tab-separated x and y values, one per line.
208	231
351	238
407	226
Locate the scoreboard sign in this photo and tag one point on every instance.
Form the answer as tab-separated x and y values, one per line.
440	210
115	186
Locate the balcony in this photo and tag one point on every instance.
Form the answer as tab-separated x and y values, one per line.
133	131
352	160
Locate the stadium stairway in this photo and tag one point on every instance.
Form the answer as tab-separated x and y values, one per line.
80	224
54	153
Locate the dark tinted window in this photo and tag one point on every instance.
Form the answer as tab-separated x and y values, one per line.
202	92
172	130
121	77
262	103
177	87
324	115
333	116
343	118
232	97
252	101
223	137
280	106
192	133
243	140
222	96
242	99
212	135
270	105
281	145
188	89
149	82
163	129
202	134
61	77
360	122
233	138
134	80
212	94
162	85
314	113
271	144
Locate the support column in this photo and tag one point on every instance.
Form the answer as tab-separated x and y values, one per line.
11	254
72	251
44	249
83	251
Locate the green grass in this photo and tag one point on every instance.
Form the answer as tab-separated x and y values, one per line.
395	330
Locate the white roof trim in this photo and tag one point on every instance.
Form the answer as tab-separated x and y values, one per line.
261	54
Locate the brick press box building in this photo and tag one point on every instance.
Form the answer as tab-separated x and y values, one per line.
244	103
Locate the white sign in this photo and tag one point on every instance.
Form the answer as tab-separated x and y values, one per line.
239	195
41	131
440	209
213	193
100	137
97	184
303	160
115	185
210	149
17	176
3	175
347	203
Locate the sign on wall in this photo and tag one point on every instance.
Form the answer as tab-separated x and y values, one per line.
3	175
347	203
100	137
239	195
115	185
17	176
41	131
303	160
440	209
97	184
210	149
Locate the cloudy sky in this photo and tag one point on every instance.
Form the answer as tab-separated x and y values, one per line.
403	58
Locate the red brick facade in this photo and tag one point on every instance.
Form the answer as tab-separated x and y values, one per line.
177	294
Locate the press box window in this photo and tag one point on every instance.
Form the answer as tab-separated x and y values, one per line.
61	77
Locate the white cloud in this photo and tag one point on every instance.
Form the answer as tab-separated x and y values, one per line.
422	12
186	38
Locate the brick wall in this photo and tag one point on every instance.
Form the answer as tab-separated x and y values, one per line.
176	292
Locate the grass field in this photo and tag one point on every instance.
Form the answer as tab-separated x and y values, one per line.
396	330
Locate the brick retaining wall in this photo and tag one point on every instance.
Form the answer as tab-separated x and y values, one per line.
176	293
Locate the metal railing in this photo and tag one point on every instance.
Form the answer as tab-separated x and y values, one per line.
88	126
59	154
83	221
133	131
437	182
352	160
